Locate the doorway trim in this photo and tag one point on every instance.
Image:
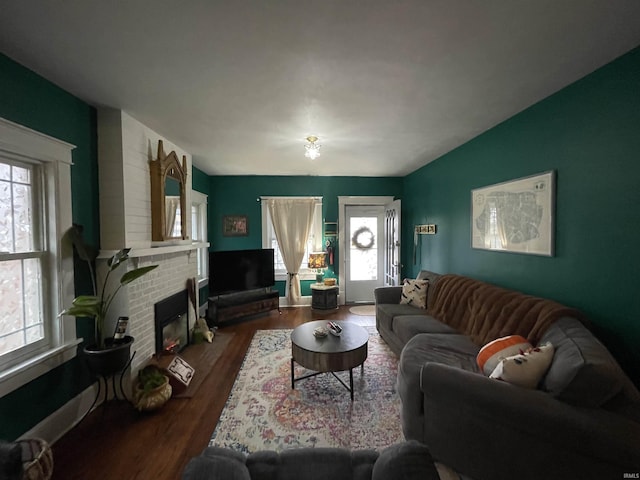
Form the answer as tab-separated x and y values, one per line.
343	201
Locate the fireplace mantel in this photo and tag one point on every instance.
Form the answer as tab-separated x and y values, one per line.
151	251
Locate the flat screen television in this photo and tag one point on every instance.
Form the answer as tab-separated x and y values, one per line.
239	270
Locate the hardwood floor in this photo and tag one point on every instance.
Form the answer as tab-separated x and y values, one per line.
117	442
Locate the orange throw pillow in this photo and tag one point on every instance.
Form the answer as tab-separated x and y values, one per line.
500	348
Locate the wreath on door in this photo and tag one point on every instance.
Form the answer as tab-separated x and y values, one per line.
363	238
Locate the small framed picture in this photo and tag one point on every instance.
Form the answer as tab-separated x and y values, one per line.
235	226
181	370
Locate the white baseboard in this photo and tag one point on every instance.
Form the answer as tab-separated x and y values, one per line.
303	302
65	418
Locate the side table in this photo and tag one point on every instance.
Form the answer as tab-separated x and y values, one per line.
324	297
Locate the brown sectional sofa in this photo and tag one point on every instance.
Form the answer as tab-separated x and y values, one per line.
583	421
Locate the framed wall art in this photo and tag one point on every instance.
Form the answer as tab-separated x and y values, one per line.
235	226
515	216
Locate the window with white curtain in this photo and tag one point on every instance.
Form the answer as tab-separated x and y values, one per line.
199	233
314	242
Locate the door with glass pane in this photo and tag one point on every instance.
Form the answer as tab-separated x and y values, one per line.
392	265
364	256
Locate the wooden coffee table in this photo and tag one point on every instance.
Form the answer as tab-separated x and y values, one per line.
328	354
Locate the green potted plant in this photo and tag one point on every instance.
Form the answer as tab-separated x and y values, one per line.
152	390
104	355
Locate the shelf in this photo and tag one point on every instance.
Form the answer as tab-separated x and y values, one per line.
332	231
159	250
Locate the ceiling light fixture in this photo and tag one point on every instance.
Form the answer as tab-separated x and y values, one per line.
312	149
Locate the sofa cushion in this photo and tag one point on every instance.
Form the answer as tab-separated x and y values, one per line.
582	372
414	292
217	462
312	464
498	349
451	349
407	326
525	369
388	311
409	460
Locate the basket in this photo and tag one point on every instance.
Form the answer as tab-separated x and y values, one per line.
37	459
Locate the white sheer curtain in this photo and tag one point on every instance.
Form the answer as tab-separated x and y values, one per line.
292	220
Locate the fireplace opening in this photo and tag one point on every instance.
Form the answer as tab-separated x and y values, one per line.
172	323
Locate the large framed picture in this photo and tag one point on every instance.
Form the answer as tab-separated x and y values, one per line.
515	216
235	226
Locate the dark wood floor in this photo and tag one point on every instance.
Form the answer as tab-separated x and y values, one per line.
117	442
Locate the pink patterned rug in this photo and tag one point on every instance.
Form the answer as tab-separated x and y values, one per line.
264	413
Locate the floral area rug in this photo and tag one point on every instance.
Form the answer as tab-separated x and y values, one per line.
264	413
366	310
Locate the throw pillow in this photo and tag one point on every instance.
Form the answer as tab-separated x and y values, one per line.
526	369
414	292
498	349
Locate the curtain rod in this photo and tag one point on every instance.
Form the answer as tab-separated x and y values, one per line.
286	198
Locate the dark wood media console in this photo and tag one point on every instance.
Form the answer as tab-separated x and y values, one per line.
222	308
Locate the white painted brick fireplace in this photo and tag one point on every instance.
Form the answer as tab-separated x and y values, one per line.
170	277
125	147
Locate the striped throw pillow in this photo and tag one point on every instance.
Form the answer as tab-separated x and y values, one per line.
495	351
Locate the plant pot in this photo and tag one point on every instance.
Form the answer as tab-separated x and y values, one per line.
111	360
153	399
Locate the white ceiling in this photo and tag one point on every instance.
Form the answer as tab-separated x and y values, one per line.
387	85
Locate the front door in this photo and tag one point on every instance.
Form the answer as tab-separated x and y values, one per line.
392	265
365	252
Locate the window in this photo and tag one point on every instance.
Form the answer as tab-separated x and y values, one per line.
199	234
21	286
36	268
314	243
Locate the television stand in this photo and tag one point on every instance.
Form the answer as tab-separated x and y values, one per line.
230	306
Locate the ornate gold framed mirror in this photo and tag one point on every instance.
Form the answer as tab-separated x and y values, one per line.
168	196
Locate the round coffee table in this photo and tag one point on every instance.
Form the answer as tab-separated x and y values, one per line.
328	354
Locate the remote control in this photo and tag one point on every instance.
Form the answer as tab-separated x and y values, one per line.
334	328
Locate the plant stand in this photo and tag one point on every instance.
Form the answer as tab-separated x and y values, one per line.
105	379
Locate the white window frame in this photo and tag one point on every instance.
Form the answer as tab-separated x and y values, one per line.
305	273
53	156
199	201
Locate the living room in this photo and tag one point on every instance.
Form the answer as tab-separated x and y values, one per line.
586	132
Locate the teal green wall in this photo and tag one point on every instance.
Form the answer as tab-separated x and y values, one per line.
590	134
29	100
239	195
199	180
